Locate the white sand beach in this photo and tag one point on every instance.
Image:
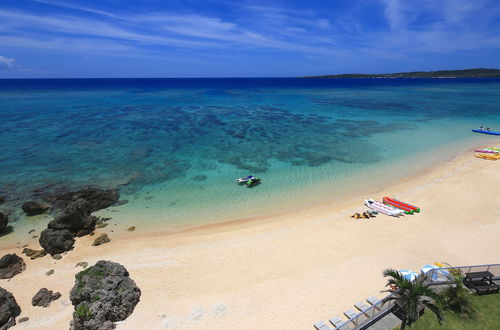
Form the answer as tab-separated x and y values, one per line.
284	272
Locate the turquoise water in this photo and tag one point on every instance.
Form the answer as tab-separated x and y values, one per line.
174	146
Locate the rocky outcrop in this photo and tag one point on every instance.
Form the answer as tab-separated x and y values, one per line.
82	264
34	208
102	239
75	217
103	294
4	221
97	199
44	297
34	254
56	241
11	265
75	220
131	228
9	309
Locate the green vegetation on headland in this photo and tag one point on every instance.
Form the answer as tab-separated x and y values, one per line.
468	73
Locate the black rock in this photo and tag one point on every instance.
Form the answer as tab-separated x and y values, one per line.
83	264
9	309
75	217
2	199
56	241
97	198
103	294
11	265
4	221
44	297
34	254
34	208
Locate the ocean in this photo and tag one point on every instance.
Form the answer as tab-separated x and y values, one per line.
174	147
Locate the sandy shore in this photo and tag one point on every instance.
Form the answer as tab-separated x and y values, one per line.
288	271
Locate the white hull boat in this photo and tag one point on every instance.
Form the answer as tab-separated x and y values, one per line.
382	208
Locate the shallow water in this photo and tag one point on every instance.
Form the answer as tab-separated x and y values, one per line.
174	146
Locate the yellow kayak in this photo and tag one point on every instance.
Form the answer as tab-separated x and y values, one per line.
487	156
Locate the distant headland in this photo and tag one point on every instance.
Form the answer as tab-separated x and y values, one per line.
467	73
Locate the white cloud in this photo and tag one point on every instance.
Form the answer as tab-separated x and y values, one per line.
68	6
9	62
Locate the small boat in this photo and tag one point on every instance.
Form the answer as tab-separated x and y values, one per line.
401	205
485	131
382	208
250	181
245	179
487	156
253	182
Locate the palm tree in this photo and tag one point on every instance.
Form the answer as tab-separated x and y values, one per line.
412	296
457	297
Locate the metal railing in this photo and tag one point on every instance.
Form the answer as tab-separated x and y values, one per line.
369	316
438	276
445	275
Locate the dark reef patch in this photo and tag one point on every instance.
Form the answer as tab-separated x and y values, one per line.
128	147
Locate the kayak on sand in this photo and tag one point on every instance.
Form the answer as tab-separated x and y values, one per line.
396	203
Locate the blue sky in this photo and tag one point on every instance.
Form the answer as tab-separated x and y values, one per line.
228	38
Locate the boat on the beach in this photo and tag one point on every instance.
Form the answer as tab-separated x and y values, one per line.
488	151
382	208
488	156
485	131
406	209
401	205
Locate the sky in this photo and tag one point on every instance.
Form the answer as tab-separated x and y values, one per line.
242	38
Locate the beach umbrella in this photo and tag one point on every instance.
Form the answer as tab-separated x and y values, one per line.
408	274
437	273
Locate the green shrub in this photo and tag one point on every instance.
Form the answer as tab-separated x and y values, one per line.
84	312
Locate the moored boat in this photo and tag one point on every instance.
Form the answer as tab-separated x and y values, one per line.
250	181
245	179
253	182
485	131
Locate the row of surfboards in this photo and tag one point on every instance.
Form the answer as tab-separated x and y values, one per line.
488	153
392	206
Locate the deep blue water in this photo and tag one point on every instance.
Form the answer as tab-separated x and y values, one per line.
181	142
224	83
